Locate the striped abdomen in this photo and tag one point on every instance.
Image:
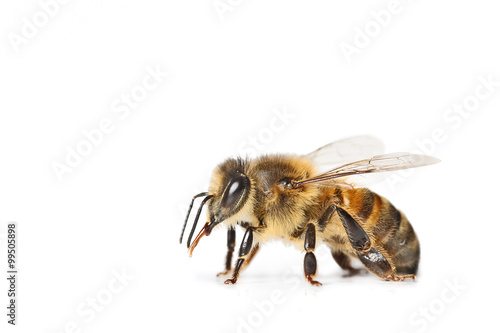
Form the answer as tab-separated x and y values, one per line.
389	230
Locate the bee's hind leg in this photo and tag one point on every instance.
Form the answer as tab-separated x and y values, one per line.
344	262
370	257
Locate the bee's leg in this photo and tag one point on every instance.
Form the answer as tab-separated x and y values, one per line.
310	264
231	241
247	261
250	257
245	247
344	262
370	257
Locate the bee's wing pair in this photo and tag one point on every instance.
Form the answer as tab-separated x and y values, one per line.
367	152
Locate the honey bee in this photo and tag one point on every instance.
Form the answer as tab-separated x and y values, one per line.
287	197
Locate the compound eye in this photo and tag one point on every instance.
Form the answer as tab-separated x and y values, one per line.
235	190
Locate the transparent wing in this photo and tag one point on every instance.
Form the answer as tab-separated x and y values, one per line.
346	150
379	163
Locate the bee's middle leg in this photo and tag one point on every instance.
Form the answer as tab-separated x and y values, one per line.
310	263
369	256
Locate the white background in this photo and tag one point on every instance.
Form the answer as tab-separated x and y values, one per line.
121	209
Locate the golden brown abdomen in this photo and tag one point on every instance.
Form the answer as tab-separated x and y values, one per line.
388	229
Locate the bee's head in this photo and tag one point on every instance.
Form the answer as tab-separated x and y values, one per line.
230	187
228	198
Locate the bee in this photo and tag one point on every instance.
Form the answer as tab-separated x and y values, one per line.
287	197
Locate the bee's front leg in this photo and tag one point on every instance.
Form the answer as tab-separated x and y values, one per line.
231	241
245	247
310	264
